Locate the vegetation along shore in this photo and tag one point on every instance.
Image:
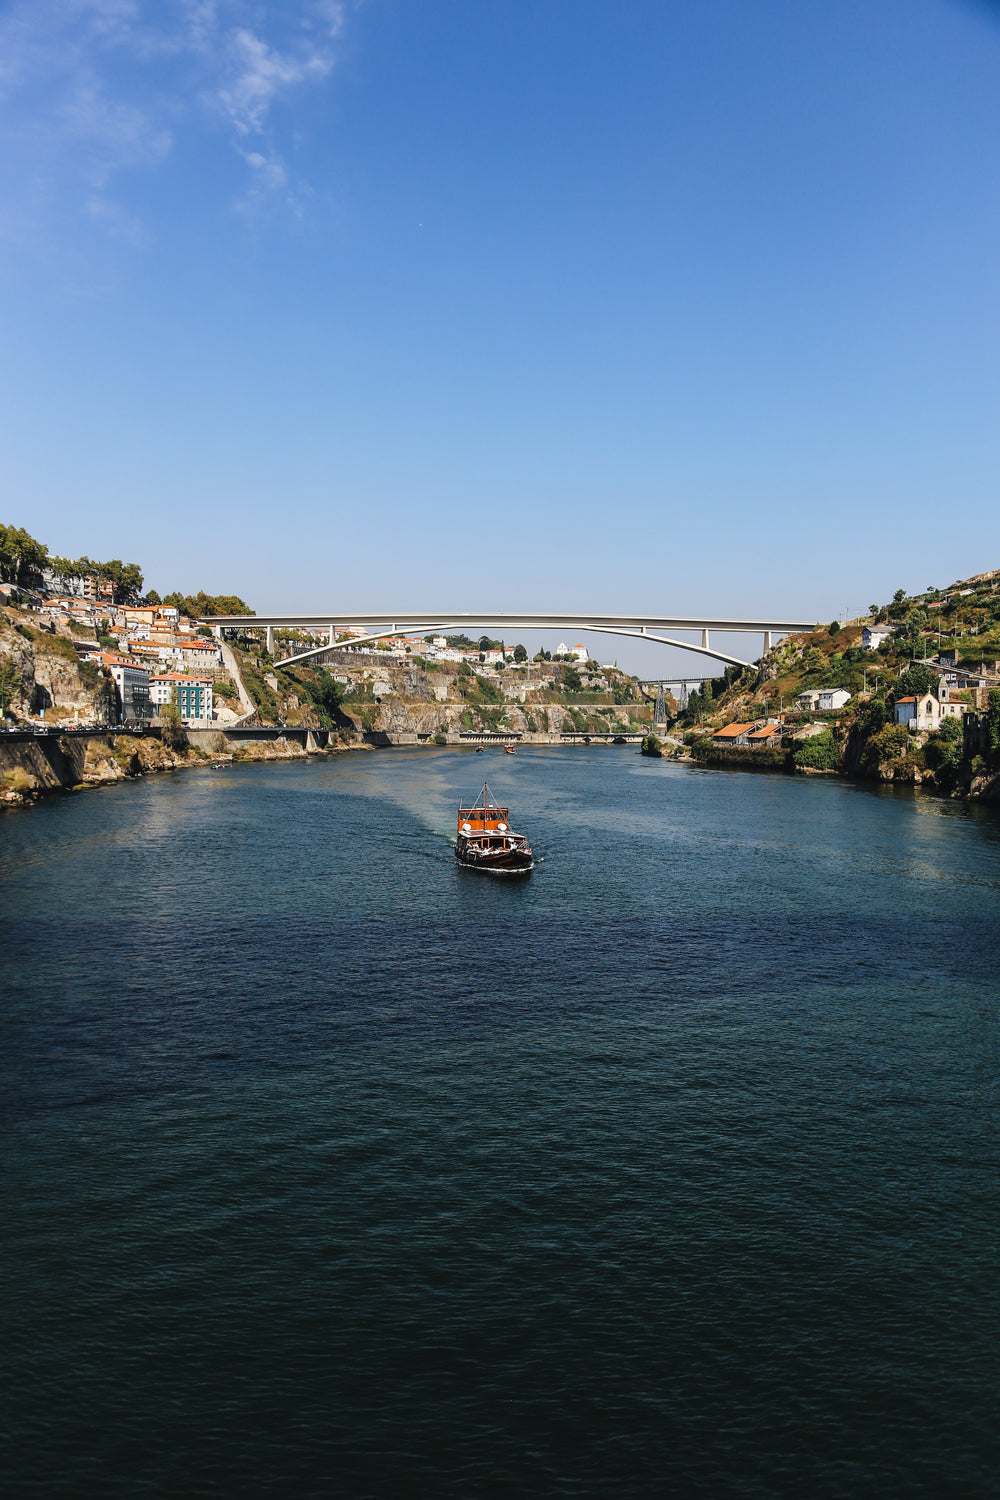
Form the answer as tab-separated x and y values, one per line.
100	680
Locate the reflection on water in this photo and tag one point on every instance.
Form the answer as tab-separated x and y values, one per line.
336	1168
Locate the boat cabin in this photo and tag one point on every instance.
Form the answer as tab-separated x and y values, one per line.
473	820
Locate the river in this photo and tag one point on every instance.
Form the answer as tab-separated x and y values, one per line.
335	1169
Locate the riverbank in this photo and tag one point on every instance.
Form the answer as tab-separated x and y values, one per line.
980	788
34	767
39	766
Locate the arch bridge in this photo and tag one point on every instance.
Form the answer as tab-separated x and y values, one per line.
379	627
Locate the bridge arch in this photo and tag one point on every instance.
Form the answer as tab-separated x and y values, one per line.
637	627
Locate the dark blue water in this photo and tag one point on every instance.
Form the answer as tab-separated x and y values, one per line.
333	1169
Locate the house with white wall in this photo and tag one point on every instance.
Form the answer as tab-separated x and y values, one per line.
918	711
193	696
815	700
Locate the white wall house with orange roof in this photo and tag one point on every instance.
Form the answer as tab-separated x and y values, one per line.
927	710
920	711
193	696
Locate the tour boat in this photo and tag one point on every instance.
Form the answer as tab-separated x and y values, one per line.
485	842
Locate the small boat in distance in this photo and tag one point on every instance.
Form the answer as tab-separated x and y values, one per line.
485	842
509	750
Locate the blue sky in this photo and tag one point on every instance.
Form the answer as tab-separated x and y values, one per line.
665	307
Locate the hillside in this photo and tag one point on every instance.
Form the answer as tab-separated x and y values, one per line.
372	693
945	642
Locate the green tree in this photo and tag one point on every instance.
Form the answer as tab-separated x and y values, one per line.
572	681
520	653
65	570
820	753
993	729
107	704
130	582
944	748
21	557
872	716
204	606
172	725
327	693
153	598
914	681
10	682
890	744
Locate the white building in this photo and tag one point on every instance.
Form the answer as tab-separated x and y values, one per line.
928	711
918	712
833	698
199	651
874	636
816	700
193	696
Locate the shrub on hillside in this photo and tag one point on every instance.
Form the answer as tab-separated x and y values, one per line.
872	716
944	748
59	645
821	753
886	747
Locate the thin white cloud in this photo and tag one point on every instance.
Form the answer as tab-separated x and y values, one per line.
260	74
92	89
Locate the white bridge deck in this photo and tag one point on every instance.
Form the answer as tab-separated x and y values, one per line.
378	627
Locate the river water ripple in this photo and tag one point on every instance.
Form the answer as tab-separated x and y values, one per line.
334	1169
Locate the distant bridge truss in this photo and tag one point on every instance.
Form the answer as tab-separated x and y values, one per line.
380	627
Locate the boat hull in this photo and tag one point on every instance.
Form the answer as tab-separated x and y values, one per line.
502	862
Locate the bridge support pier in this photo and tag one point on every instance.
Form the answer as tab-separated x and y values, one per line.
270	640
704	640
767	641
